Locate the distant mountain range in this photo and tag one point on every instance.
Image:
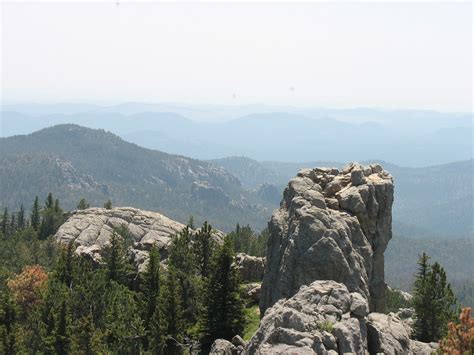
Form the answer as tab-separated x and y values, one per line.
407	138
75	162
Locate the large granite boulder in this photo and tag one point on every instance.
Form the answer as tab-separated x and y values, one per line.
92	228
322	318
387	334
331	225
251	268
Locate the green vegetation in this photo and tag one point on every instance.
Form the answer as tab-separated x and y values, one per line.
401	263
223	315
81	163
252	321
54	302
395	301
83	204
434	301
326	326
245	240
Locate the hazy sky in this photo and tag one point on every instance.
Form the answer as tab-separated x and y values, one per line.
406	55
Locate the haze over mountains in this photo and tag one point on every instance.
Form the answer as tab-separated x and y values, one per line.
76	162
406	138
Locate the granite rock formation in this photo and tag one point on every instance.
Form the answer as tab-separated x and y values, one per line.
92	228
331	225
322	318
251	268
326	318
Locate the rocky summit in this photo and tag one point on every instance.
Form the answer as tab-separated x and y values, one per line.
331	225
92	228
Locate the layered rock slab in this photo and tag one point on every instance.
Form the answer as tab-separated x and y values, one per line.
331	225
92	228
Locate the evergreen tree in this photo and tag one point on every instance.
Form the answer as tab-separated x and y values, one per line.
8	319
83	204
57	209
173	313
108	205
61	336
21	218
35	214
154	318
13	224
443	302
52	217
182	260
87	339
49	203
151	284
64	266
124	330
433	300
52	318
224	310
204	246
117	262
4	224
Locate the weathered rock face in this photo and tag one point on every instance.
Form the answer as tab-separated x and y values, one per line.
92	228
331	225
326	318
320	318
251	268
387	334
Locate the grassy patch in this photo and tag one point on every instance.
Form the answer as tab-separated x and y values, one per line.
252	320
326	326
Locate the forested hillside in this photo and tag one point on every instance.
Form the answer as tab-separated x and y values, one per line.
75	162
455	255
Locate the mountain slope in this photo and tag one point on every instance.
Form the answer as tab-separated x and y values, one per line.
63	158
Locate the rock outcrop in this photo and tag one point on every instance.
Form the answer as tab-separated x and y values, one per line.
92	228
252	291
331	225
251	268
321	318
326	318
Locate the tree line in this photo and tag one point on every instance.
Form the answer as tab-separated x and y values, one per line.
59	303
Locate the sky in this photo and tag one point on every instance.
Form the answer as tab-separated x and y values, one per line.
403	55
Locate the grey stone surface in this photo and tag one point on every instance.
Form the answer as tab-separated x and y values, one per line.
312	321
331	225
92	228
387	334
252	290
222	347
251	268
325	318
